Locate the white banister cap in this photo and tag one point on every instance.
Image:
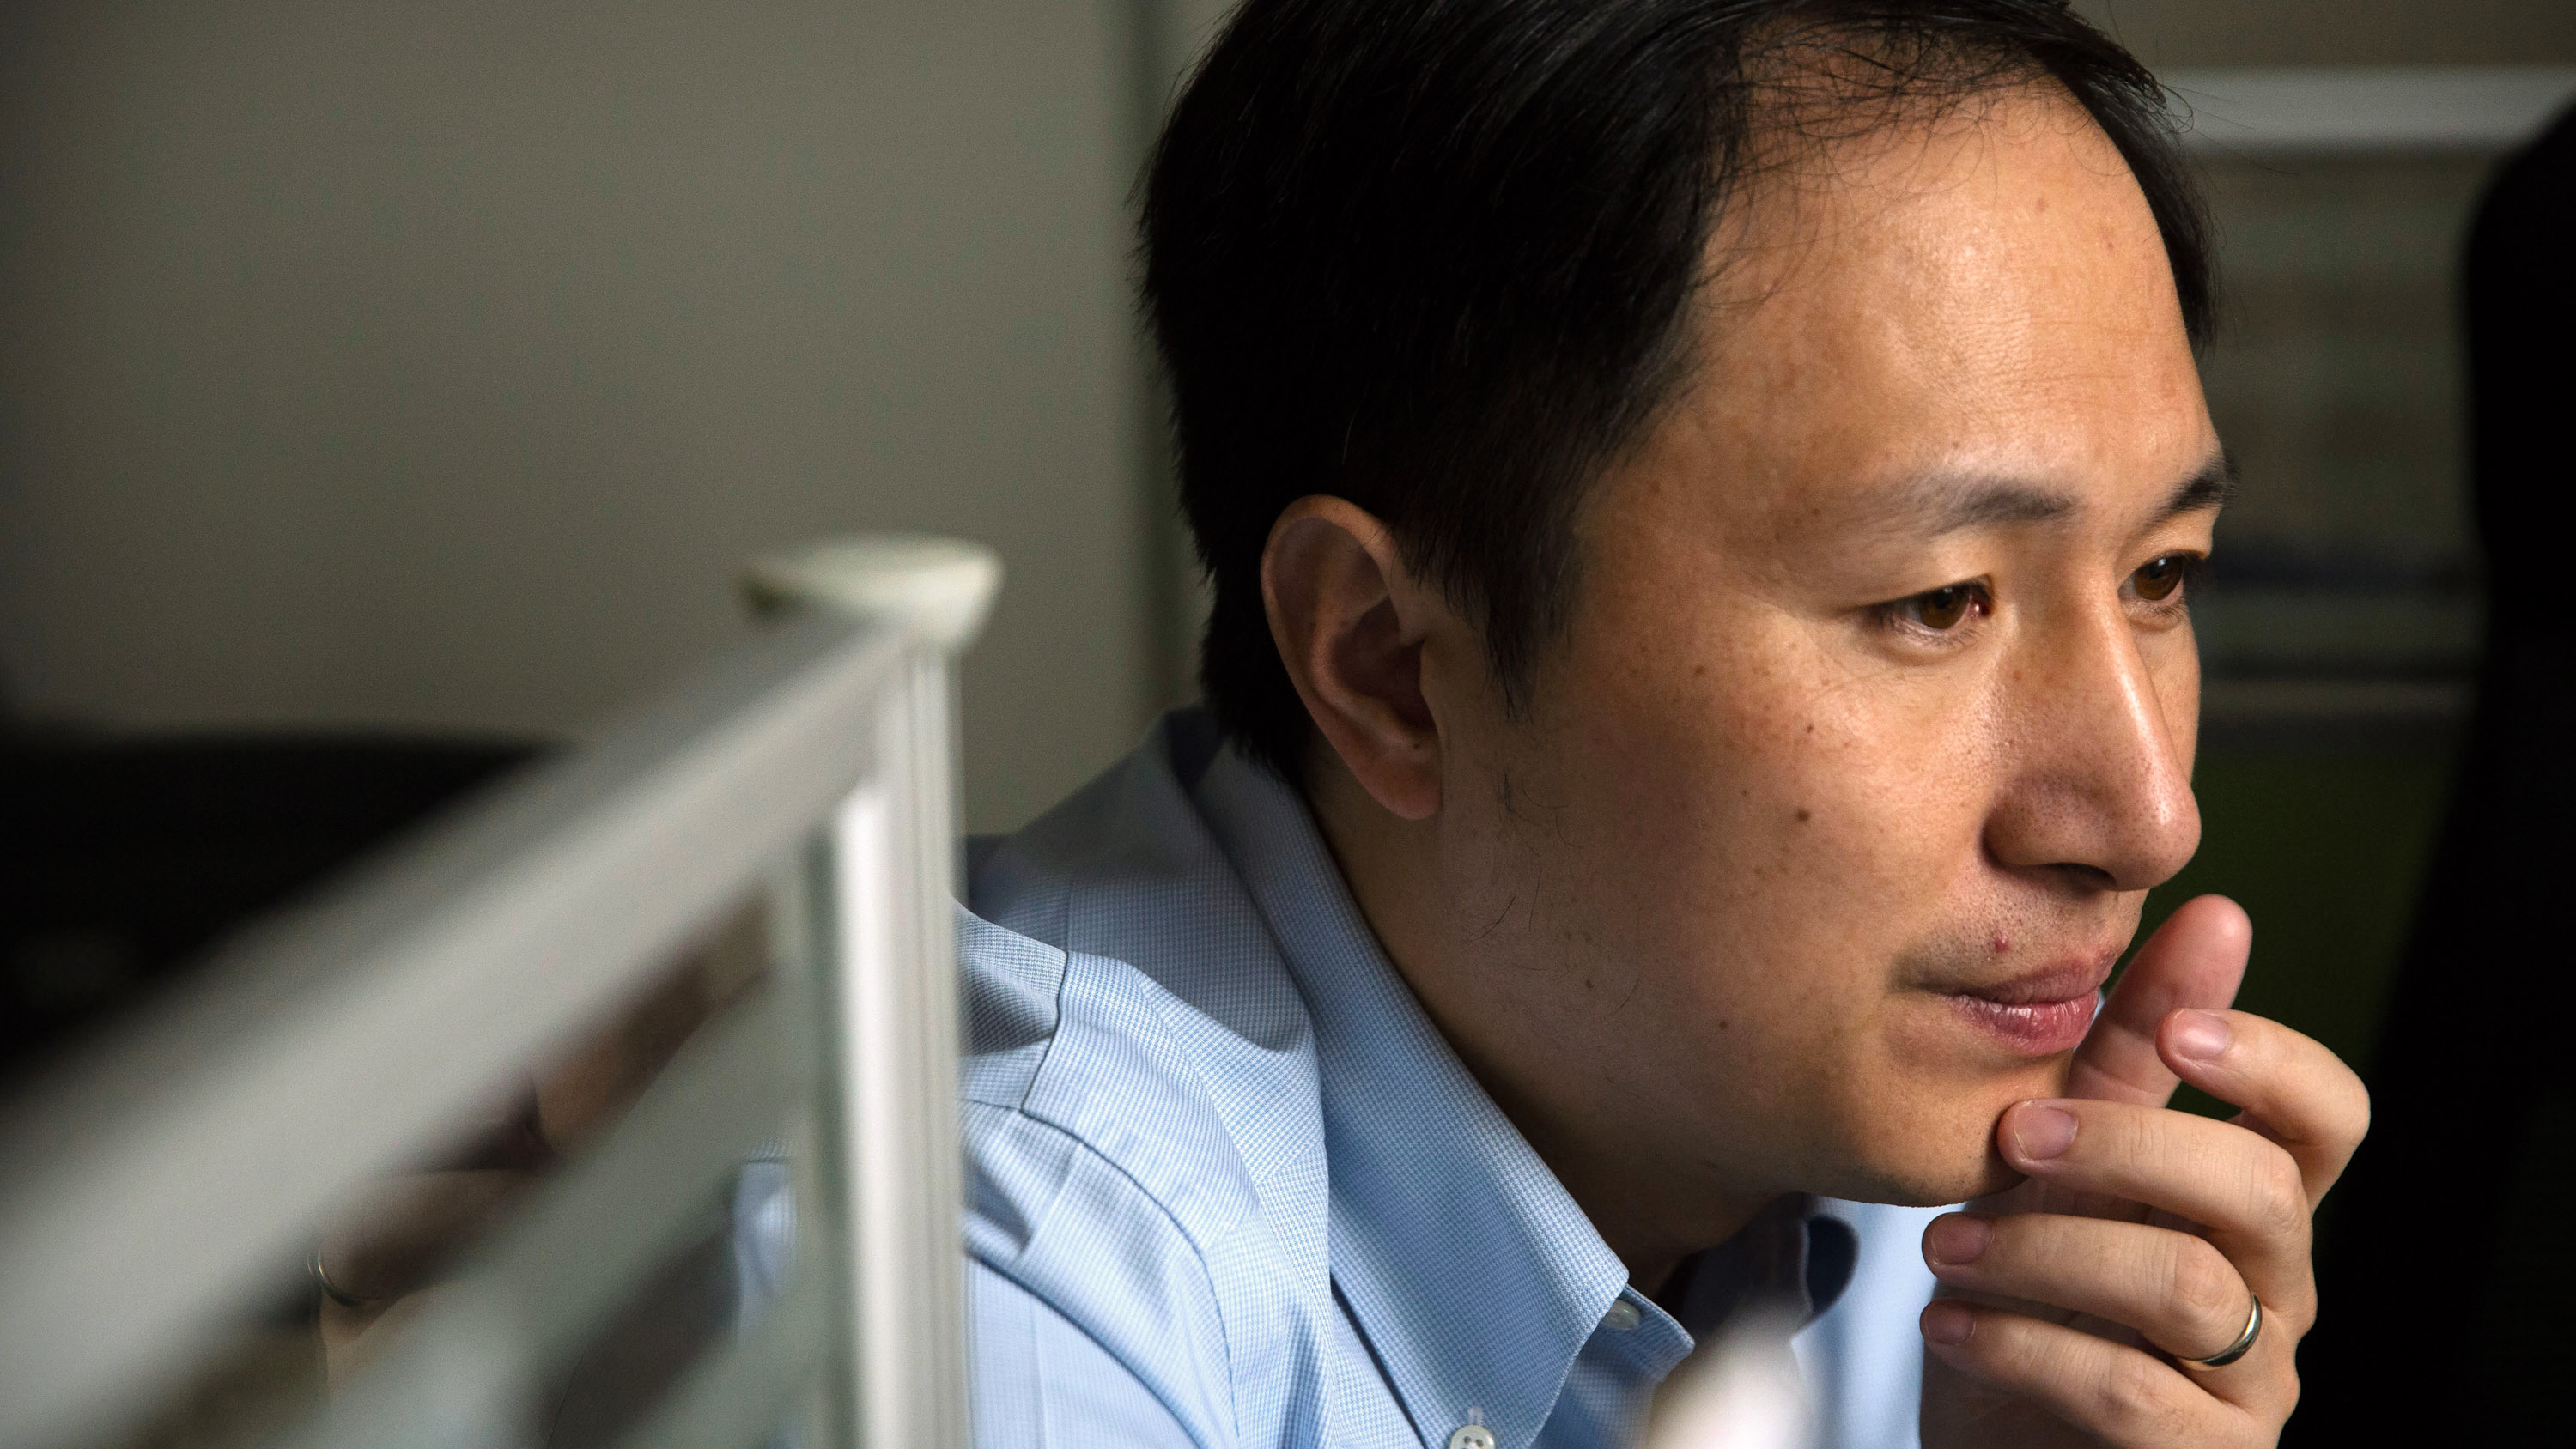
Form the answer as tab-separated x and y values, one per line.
941	588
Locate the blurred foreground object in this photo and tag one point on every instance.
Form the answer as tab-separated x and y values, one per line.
182	1163
1742	1391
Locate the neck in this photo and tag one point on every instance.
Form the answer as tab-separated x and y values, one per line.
1654	1201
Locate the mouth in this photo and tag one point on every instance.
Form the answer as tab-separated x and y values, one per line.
2038	1013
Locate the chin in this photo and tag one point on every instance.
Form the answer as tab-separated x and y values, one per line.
1930	1153
1929	1185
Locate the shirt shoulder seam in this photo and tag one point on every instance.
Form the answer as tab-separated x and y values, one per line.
1198	1250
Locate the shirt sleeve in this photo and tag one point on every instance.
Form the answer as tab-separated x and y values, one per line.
1040	1382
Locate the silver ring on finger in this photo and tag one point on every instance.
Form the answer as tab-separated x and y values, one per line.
2244	1341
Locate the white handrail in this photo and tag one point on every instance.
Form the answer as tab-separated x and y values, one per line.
146	1187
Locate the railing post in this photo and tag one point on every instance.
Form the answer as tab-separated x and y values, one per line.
881	937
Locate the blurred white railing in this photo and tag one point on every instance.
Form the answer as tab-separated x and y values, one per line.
149	1187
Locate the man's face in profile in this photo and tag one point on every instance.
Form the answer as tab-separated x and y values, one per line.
1876	715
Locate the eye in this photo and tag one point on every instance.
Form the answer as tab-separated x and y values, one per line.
1943	609
2159	578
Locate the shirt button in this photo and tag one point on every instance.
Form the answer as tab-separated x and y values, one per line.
1472	1436
1621	1317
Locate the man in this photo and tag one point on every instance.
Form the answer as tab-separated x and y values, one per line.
1701	497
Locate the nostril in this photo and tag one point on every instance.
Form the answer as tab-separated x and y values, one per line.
2090	877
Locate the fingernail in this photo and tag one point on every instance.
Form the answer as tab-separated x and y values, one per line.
2041	1131
1948	1324
2200	1036
1956	1239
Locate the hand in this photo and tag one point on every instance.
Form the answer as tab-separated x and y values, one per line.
2140	1232
388	1246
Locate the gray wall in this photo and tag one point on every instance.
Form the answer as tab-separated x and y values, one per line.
437	366
2342	32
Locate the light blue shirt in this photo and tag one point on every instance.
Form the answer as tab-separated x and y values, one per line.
1232	1189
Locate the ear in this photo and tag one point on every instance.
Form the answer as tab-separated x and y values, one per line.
1349	621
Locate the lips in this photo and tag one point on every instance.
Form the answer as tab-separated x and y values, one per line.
2039	1013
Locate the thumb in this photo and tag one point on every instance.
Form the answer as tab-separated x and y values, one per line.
2196	959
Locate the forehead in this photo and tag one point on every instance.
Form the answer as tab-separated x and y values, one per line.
1979	292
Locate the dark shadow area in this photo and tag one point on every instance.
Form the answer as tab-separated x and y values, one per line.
128	857
2326	845
2446	1269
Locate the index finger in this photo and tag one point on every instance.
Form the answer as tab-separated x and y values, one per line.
2196	958
2293	1089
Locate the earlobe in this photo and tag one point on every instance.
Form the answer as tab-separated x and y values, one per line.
1349	622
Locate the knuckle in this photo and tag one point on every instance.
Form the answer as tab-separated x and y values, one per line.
2209	1288
2335	1107
2353	1122
2295	1314
2132	1381
2131	1400
2278	1205
2133	1136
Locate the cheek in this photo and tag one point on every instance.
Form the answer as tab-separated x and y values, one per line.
1764	836
1779	811
2177	675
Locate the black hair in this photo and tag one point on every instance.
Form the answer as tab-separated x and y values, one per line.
1434	256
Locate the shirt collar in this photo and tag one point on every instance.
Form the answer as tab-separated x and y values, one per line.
1474	1275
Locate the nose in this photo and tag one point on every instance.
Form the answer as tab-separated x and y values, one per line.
2097	777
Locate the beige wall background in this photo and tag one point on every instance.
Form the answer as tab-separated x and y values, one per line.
436	366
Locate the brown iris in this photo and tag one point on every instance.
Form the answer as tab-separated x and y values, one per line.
2158	578
1944	608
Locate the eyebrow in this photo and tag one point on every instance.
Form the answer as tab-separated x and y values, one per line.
1939	503
2212	486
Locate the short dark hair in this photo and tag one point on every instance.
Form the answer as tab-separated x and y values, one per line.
1434	256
